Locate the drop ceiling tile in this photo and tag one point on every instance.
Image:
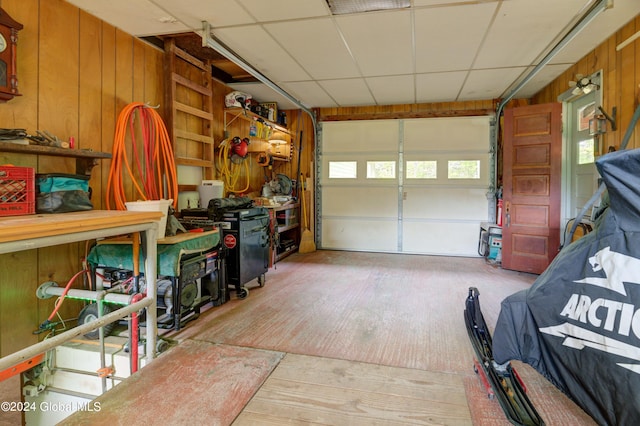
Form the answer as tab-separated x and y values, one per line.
266	56
541	79
448	38
219	13
601	28
381	42
420	3
392	89
439	87
310	94
282	10
348	92
293	42
488	84
144	19
523	29
317	46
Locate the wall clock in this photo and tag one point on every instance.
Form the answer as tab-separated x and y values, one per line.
8	53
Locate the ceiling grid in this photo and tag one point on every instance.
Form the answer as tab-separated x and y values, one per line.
430	51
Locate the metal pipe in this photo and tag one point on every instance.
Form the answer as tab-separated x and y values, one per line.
134	337
150	250
50	343
47	290
103	362
207	40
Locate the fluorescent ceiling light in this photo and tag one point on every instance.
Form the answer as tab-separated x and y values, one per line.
343	7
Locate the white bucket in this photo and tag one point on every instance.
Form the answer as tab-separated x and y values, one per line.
152	206
209	190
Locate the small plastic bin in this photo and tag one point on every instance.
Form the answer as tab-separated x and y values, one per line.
17	191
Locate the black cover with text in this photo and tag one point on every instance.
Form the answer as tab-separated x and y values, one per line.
579	323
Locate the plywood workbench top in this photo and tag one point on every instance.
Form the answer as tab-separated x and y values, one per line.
17	228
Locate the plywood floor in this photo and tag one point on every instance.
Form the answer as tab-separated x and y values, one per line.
313	390
335	338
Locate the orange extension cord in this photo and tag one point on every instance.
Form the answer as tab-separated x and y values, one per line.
155	175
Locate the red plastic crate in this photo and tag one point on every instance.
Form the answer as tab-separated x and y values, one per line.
17	191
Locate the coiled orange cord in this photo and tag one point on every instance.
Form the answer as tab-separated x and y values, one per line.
155	177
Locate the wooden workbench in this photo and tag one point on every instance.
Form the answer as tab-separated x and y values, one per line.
42	230
29	227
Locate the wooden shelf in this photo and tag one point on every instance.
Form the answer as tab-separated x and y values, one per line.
259	143
50	150
85	158
285	207
251	116
286	253
17	229
283	228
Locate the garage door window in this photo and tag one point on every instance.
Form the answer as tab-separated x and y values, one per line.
422	169
343	169
465	169
381	169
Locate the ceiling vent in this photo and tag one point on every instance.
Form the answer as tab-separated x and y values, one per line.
344	7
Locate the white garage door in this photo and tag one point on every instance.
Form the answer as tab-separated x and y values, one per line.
404	186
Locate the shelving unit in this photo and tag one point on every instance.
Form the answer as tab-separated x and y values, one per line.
86	159
250	116
288	229
259	144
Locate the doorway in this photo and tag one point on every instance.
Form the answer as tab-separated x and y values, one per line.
532	175
580	171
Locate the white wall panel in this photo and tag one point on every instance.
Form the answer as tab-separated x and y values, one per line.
441	203
360	136
449	134
360	234
440	238
360	202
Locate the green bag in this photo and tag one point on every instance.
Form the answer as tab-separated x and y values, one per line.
62	193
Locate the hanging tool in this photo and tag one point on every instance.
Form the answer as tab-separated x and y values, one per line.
307	245
298	172
299	156
232	163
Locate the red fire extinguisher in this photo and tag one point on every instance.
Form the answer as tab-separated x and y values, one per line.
499	215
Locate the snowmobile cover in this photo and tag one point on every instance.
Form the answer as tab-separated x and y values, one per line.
579	323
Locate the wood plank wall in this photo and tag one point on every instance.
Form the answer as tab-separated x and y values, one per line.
75	74
621	81
424	110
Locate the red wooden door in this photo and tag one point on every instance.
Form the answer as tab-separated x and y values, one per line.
532	167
